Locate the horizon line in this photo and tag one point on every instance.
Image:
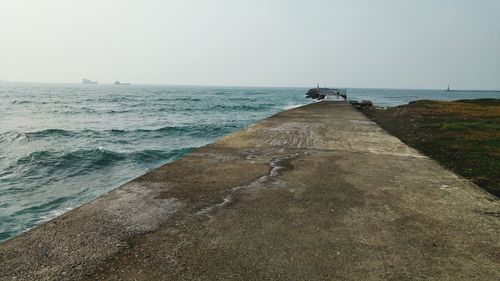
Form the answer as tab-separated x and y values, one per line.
240	86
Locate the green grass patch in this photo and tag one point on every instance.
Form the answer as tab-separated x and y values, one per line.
463	135
482	102
477	125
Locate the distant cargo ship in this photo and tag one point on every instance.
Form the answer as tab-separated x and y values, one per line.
120	83
88	81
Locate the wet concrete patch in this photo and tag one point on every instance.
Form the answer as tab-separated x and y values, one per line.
262	221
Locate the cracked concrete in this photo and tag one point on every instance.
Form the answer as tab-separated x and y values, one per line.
313	193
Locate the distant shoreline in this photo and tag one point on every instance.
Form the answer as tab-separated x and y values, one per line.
474	91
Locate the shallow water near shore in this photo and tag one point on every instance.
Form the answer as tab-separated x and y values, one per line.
64	145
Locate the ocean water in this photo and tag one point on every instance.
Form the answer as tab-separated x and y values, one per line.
64	145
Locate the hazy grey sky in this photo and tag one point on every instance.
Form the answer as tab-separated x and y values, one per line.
382	43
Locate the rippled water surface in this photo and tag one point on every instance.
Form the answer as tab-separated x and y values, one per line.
64	145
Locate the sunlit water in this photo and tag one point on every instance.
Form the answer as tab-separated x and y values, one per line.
64	145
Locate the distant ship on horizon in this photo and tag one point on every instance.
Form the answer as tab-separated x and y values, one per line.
121	83
88	81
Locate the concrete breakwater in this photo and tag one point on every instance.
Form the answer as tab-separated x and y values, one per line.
317	192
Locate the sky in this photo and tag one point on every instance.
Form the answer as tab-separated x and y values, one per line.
353	43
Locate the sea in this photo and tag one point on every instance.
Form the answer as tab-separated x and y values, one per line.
62	145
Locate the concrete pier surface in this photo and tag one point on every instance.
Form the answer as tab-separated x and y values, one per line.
317	192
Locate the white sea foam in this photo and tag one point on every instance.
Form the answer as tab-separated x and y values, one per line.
55	213
15	136
291	106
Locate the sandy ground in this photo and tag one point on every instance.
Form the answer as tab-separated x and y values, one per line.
314	193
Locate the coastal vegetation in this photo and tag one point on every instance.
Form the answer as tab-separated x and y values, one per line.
462	135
